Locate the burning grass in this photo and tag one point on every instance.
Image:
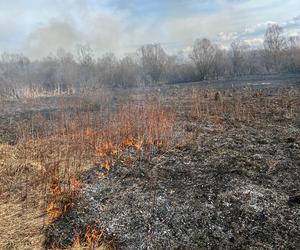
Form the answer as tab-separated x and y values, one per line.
41	170
40	175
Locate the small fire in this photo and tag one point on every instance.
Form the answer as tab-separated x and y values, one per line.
90	132
133	142
54	211
159	143
93	236
138	144
74	184
100	151
77	243
128	142
126	133
55	189
61	200
101	175
106	149
106	165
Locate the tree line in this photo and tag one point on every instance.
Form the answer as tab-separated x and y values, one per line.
150	64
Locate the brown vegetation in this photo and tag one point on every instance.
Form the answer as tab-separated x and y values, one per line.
40	171
40	174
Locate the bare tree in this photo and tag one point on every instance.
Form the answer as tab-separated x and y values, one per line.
292	55
150	64
14	72
85	57
127	72
85	54
67	72
153	61
274	44
254	61
179	69
106	68
221	66
203	55
237	57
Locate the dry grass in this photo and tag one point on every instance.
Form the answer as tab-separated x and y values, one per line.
21	216
39	175
250	106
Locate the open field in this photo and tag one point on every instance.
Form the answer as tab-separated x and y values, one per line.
150	125
187	166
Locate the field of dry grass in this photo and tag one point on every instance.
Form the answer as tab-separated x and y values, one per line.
40	168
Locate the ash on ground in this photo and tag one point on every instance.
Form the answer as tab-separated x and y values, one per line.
232	189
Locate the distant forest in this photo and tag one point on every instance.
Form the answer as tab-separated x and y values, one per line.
150	64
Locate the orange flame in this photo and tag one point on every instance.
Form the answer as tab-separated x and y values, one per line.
54	211
75	184
55	189
90	132
77	243
106	165
92	236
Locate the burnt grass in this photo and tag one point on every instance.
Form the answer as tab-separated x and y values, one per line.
235	187
225	194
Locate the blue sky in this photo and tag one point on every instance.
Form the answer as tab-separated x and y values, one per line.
38	27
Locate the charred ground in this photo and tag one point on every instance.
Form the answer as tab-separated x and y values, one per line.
229	178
